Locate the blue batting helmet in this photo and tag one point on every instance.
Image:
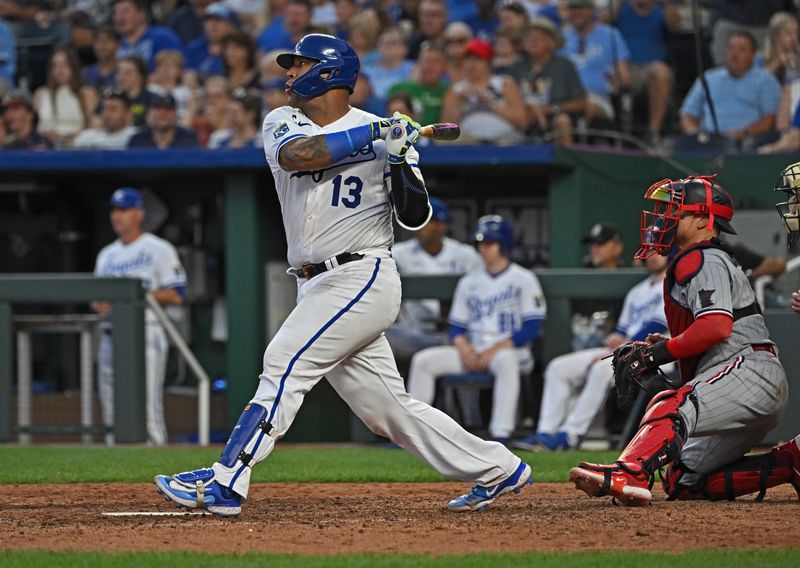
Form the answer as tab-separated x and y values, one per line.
439	211
493	228
337	60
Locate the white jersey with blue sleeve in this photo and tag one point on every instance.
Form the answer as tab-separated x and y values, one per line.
411	258
150	258
643	310
342	208
494	307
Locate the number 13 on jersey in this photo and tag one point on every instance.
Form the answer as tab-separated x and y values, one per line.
352	185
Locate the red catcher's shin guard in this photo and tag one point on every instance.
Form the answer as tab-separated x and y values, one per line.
757	473
660	436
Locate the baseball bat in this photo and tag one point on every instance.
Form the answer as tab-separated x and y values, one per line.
441	131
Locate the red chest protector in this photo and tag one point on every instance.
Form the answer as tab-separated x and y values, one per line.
685	266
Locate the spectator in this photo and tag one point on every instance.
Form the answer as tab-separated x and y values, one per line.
268	68
132	78
392	67
456	37
606	246
115	130
782	59
213	112
162	130
600	55
554	92
512	16
187	21
239	61
142	255
428	90
429	252
789	140
323	14
433	16
497	312
166	79
252	14
284	32
754	264
273	95
19	120
401	103
346	10
64	104
204	54
363	30
643	25
489	108
137	36
244	117
103	73
576	384
745	97
740	15
508	56
484	22
82	33
8	57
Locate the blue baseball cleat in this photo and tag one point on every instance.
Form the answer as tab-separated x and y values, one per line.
481	497
198	490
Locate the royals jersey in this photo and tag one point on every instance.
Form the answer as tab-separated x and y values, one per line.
411	258
149	258
342	208
494	307
643	310
703	280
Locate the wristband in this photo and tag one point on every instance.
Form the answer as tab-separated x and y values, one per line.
342	144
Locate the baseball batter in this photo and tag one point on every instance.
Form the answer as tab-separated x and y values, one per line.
735	388
497	312
138	254
338	182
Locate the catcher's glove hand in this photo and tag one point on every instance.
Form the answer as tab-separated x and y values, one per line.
635	363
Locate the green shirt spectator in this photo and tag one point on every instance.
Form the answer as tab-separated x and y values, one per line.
428	89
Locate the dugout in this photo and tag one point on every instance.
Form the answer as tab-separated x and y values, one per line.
220	209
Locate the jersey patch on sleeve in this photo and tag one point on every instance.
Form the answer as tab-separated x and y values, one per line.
706	298
281	130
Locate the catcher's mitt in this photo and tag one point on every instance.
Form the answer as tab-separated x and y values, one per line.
633	364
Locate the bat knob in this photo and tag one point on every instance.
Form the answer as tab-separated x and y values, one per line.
397	132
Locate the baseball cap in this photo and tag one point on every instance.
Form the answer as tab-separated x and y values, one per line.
457	30
127	198
580	2
547	26
116	93
162	101
514	6
221	11
602	233
479	49
18	97
439	211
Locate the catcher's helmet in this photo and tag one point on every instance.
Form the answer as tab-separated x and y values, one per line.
493	228
789	183
699	195
337	65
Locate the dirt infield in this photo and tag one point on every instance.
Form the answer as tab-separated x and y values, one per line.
387	518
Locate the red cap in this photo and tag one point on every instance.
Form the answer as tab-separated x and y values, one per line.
479	48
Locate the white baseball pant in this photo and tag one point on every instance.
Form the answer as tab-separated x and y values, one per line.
428	365
155	355
337	331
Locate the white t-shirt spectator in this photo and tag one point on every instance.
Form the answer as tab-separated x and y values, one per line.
101	139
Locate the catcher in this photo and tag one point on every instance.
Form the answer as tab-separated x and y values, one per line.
734	386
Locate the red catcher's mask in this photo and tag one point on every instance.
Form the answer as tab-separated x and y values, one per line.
672	200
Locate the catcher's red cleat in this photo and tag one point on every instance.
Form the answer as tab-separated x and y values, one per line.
630	489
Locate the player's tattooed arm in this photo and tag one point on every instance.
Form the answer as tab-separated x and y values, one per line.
306	153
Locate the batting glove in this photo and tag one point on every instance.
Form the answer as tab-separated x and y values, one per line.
380	128
402	135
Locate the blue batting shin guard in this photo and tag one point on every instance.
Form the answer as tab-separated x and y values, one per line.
250	442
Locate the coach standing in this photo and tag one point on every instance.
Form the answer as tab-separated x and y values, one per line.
138	254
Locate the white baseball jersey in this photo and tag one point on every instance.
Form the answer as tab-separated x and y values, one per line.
643	309
411	258
343	208
494	307
149	258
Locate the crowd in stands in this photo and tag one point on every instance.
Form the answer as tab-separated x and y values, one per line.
172	73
